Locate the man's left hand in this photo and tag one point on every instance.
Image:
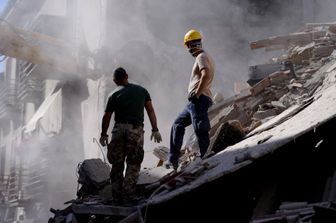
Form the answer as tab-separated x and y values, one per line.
103	140
156	136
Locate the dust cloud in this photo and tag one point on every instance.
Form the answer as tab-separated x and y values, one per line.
146	38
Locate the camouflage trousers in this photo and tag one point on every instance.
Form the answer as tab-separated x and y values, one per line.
126	145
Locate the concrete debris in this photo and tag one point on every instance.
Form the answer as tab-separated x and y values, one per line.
94	174
301	55
278	91
226	135
228	113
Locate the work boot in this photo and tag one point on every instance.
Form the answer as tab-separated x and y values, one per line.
171	165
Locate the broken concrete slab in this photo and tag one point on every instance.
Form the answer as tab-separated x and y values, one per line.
292	39
93	175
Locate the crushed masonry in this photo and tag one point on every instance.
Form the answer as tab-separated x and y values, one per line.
279	91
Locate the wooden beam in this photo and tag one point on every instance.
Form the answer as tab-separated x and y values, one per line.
41	49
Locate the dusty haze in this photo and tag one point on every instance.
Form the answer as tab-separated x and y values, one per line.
146	37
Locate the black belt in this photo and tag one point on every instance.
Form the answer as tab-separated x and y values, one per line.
129	123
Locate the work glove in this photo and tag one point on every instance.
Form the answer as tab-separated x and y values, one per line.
103	140
156	136
192	97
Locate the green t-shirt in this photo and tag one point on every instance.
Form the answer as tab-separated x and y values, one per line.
128	102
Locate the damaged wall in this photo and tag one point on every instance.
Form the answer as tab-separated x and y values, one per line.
54	140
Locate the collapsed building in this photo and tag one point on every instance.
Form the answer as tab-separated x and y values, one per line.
49	83
270	158
271	153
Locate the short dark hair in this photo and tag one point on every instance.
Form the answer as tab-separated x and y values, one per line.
119	73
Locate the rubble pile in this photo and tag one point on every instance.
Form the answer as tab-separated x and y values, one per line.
274	86
301	212
293	78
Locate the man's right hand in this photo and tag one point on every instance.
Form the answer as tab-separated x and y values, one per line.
192	97
103	140
156	136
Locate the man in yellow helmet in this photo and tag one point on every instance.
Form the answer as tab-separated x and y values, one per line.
199	97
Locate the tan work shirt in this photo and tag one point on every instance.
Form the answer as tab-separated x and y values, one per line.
202	61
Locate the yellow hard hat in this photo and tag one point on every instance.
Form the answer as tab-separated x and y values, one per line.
192	35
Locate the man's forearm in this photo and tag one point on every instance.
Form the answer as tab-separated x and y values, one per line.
105	123
152	119
151	115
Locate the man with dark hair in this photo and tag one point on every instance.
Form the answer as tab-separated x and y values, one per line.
199	97
127	102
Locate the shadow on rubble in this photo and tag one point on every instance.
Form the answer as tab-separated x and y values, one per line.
299	171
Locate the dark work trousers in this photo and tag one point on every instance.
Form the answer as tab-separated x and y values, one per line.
126	145
195	113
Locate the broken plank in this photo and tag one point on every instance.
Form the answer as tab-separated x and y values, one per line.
260	86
